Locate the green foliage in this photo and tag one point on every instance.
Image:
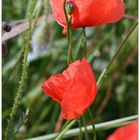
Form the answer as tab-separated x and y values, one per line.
47	56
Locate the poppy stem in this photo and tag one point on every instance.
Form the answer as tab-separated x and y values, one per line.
59	137
105	71
84	41
80	127
86	132
93	123
69	34
66	123
70	42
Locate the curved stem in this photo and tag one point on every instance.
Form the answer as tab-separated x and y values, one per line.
80	127
59	137
86	132
93	123
66	16
105	71
66	123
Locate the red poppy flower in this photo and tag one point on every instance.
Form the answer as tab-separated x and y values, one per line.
89	12
75	89
129	132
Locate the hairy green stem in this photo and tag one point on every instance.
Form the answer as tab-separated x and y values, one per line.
70	42
8	133
69	34
20	56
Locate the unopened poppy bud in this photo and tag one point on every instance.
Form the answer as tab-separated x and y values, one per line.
70	7
6	27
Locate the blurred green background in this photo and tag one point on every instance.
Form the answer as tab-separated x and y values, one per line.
118	95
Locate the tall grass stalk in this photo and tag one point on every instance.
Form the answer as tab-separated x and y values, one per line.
9	134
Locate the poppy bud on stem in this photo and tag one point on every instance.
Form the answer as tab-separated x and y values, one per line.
68	10
70	7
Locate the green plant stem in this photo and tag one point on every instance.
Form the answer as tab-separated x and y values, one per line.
69	34
8	133
105	71
84	41
33	26
38	13
85	127
93	123
65	129
80	126
99	127
66	123
46	11
70	59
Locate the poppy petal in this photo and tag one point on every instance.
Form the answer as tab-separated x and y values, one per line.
114	14
55	87
71	71
128	132
80	93
89	12
75	89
